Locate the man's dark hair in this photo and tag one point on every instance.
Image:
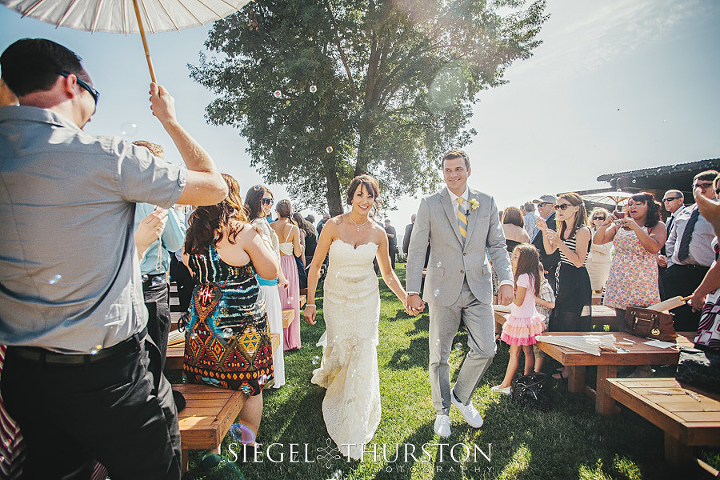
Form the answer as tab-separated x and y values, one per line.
452	154
33	64
708	175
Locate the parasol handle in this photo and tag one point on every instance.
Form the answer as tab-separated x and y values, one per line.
144	41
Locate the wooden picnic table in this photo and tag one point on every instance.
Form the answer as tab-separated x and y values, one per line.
607	362
601	315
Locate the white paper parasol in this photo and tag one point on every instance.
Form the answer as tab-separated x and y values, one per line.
585	343
607	198
126	16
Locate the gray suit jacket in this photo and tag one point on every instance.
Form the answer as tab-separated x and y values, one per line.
450	261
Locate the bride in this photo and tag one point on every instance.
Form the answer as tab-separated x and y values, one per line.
349	368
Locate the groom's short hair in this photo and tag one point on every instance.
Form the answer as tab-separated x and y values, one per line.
456	154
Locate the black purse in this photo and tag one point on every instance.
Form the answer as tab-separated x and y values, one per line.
530	391
302	274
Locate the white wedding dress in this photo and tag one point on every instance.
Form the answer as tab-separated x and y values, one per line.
349	367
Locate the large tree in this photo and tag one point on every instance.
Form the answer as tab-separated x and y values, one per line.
324	90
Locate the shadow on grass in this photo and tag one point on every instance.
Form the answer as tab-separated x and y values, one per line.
415	355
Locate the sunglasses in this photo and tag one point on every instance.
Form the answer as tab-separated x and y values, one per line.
598	218
267	201
562	206
703	185
95	94
670	199
542	204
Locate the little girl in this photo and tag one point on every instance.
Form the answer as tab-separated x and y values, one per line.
524	322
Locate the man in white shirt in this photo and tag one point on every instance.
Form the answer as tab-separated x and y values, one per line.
689	253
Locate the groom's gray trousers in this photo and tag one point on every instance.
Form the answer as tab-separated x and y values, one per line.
444	324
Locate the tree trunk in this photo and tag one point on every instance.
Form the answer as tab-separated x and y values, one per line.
333	196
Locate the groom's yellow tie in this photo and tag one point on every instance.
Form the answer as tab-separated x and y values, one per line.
462	219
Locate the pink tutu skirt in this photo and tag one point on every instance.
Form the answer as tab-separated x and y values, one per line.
522	331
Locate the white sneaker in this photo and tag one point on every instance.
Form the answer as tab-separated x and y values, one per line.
442	425
503	390
471	416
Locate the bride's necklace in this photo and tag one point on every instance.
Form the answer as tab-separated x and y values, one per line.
357	227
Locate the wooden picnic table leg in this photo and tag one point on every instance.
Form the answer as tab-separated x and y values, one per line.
604	403
677	453
185	461
576	379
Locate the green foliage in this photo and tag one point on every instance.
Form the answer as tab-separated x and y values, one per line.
388	84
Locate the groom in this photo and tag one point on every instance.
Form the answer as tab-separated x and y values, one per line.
460	225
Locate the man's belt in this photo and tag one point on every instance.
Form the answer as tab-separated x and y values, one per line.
42	355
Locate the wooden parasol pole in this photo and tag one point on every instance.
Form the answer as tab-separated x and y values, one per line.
144	41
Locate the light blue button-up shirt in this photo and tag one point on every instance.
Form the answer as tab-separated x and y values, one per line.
157	258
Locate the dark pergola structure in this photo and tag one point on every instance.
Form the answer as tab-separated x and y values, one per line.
656	180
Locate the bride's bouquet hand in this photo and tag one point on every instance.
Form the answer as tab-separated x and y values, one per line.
309	314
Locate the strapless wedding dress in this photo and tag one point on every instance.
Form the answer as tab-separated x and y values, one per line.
349	367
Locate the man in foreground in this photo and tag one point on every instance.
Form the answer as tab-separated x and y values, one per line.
81	377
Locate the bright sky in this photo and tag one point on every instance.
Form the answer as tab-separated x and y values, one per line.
616	86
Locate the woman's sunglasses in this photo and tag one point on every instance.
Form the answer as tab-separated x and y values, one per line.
598	218
562	206
267	201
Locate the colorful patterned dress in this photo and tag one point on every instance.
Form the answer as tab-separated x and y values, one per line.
633	280
227	341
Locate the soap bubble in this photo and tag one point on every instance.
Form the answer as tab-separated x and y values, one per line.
156	281
144	278
262	380
458	347
337	475
54	279
439	265
277	94
315	360
313	88
243	433
227	332
95	349
128	129
436	292
329	149
437	342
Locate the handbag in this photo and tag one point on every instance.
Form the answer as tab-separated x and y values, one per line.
529	391
650	323
302	274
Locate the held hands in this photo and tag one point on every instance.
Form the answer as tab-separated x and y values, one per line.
414	305
309	314
162	104
506	294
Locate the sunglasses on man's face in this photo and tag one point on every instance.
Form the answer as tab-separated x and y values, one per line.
703	185
670	199
267	201
542	204
95	94
562	206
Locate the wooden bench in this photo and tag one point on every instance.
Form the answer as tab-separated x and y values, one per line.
207	417
288	314
685	421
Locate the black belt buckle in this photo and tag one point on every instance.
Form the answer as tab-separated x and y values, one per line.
148	280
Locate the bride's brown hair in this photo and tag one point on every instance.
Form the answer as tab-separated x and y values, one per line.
371	186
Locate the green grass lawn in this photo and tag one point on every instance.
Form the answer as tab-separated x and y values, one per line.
571	441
